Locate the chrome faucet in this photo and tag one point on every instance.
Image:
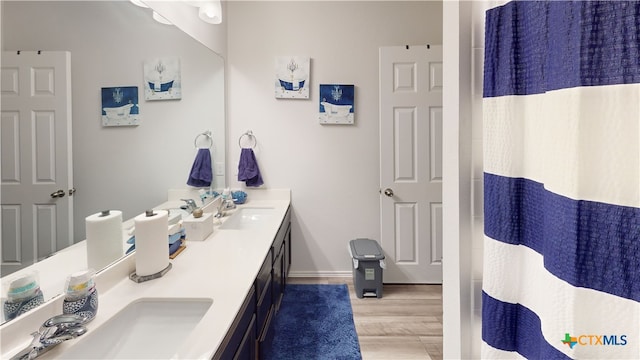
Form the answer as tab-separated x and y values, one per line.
224	204
191	205
228	204
54	331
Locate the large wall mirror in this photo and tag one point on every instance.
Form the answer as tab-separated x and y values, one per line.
127	168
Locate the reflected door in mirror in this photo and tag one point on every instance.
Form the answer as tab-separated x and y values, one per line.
36	156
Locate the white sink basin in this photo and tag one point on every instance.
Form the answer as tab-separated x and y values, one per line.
145	329
248	218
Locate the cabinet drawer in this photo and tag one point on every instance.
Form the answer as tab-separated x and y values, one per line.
264	275
284	227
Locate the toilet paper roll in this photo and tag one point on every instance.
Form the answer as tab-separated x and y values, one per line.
105	240
152	244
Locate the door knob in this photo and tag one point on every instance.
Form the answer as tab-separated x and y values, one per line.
388	192
72	191
58	194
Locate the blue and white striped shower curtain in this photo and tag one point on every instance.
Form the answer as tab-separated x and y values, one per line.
561	275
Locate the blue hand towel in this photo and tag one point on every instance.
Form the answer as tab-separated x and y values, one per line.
248	170
201	173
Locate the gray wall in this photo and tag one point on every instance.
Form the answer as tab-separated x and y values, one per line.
125	168
332	170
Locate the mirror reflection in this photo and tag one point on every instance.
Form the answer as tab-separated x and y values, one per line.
125	168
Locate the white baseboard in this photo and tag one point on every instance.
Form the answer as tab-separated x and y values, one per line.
316	274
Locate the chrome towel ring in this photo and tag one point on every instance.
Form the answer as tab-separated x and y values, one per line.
250	137
207	135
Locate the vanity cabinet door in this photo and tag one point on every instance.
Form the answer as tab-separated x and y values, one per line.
247	348
264	287
278	277
265	340
287	254
281	265
281	258
243	325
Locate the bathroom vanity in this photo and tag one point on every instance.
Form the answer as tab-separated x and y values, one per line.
235	278
253	323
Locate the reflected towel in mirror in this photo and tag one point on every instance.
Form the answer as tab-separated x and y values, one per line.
201	173
248	170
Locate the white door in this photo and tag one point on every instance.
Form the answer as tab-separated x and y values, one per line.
36	156
411	163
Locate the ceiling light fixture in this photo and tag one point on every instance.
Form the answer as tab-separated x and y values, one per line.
211	12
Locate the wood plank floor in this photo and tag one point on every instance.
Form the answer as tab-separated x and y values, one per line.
406	323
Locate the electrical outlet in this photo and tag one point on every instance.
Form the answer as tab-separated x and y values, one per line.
220	168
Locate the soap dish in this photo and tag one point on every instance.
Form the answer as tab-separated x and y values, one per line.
239	197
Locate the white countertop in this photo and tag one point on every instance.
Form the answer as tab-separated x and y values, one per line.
222	268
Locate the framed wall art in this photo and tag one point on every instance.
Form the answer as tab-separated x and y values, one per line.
162	79
120	106
337	104
292	77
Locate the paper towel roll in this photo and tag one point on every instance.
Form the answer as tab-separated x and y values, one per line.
152	243
105	240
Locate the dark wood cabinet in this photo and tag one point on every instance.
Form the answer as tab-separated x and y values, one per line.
279	274
252	331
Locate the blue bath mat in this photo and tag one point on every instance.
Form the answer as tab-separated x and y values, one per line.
315	322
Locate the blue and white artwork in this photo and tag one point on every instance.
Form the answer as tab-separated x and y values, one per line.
336	104
162	80
292	77
120	106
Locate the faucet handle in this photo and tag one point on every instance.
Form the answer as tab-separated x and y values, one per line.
66	320
37	335
67	334
59	327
